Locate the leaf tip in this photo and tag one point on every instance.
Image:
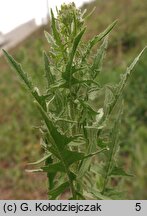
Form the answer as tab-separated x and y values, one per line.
4	51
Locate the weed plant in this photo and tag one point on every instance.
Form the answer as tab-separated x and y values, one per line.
80	136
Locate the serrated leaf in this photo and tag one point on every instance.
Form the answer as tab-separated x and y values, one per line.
60	139
67	74
124	79
97	63
69	157
23	75
96	39
55	30
102	35
17	67
128	72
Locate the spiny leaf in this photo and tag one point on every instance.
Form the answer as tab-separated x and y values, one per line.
55	31
67	74
60	139
34	90
99	37
96	39
17	67
69	157
74	25
128	73
124	79
97	63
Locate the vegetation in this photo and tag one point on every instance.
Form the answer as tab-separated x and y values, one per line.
133	127
131	15
74	131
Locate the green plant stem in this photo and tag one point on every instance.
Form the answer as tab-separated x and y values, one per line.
107	170
112	152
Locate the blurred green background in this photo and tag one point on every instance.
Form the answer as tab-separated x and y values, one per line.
19	141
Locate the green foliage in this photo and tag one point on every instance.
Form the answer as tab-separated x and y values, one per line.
81	141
